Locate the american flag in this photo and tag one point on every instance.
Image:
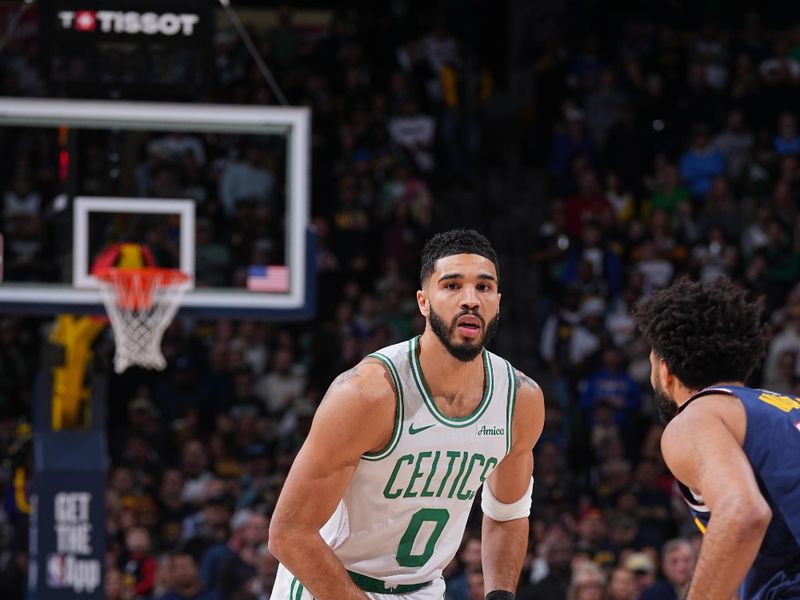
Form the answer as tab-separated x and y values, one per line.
272	278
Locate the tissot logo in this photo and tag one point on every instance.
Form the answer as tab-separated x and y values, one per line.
85	20
131	22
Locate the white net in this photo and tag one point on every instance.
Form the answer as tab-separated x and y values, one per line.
141	304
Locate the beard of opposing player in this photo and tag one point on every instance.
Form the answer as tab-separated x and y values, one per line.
667	408
465	351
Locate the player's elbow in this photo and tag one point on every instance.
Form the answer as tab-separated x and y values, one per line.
761	514
279	539
752	515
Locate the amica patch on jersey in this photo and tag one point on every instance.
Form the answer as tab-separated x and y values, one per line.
483	430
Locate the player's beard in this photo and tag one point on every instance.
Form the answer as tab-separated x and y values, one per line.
667	408
465	351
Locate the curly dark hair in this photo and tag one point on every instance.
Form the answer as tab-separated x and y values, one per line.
707	332
455	241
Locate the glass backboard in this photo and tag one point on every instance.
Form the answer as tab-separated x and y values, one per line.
217	191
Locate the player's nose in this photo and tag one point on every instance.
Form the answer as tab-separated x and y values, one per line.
469	297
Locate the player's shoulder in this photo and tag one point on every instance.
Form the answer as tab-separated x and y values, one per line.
716	408
369	382
526	388
529	397
522	382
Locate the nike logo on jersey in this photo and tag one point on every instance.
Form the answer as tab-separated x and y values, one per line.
412	431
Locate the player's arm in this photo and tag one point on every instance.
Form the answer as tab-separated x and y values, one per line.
356	416
702	451
507	492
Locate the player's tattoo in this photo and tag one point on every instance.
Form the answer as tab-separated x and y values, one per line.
521	378
346	376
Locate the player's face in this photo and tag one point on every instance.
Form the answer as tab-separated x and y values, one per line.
461	303
667	407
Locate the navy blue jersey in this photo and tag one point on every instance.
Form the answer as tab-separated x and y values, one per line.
772	445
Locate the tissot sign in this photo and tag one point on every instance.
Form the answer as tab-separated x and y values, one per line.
129	22
129	49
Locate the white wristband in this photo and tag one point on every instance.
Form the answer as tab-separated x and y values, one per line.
499	511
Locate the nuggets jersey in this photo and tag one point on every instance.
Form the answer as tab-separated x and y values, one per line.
403	515
772	445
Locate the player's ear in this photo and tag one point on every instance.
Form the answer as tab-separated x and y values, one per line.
664	374
422	303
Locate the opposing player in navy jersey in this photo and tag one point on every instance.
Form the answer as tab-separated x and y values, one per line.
735	450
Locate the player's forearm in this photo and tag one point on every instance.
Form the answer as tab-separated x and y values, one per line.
310	559
503	547
730	545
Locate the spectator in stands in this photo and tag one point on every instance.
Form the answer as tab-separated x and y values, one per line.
701	163
592	534
588	583
569	143
612	385
677	563
239	567
414	131
185	580
282	384
669	193
591	265
604	106
780	68
735	142
643	569
622	585
21	200
469	561
194	466
553	585
114	589
248	180
172	509
137	566
210	524
588	205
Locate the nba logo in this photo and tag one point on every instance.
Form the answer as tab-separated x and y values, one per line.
55	571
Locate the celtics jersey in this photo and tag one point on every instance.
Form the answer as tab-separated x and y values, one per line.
403	515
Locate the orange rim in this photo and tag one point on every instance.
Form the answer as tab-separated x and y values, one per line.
134	287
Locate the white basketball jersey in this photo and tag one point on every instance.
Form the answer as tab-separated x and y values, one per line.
403	515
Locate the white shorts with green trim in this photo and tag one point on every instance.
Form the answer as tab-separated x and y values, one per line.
287	587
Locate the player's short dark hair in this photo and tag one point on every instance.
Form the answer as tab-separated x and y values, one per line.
707	332
455	241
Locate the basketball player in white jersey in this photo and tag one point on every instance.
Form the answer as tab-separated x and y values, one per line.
377	500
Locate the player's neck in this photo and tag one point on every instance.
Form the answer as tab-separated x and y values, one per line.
683	394
444	372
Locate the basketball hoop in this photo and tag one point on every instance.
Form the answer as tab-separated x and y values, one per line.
141	304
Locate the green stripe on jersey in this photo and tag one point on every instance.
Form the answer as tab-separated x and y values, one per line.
398	418
422	387
511	403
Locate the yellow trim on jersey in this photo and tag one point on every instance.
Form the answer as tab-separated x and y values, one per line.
700	525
